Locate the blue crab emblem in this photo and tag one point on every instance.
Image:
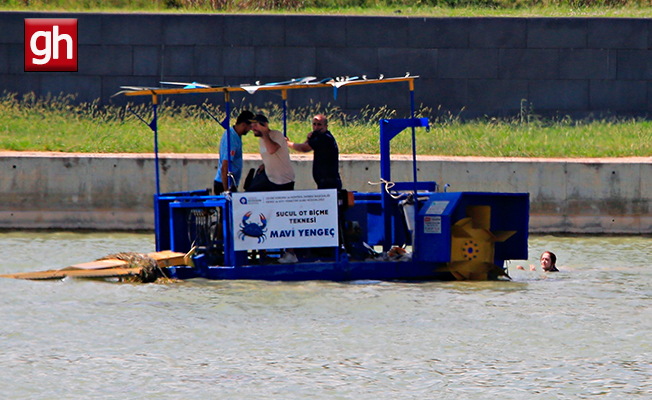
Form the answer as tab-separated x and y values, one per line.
253	229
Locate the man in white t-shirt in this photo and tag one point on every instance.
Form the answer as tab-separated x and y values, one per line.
276	172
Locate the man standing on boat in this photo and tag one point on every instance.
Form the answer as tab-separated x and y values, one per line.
241	127
276	172
325	165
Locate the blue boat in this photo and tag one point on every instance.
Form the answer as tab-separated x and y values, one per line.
408	231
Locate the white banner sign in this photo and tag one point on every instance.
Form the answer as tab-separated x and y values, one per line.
288	219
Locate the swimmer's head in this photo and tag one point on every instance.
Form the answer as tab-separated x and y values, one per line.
548	261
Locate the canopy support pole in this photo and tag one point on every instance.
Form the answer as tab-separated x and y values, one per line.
229	252
414	141
154	127
285	112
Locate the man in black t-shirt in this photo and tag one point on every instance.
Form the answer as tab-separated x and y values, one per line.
325	165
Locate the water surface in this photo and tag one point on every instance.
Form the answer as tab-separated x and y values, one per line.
580	333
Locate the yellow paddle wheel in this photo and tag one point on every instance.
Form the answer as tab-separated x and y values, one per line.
473	246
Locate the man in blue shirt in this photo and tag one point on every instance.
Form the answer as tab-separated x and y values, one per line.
241	127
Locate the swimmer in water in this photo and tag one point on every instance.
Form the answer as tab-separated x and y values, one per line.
548	262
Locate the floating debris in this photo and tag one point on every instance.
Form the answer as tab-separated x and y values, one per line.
149	268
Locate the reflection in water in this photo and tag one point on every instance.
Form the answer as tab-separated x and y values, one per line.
579	333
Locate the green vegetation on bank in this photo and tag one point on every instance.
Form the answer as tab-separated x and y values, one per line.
465	8
56	124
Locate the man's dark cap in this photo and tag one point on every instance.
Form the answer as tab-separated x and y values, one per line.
244	116
260	118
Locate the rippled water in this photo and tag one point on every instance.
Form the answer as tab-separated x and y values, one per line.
581	333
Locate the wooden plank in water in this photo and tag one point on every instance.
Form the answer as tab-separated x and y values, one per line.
75	273
168	258
99	264
108	268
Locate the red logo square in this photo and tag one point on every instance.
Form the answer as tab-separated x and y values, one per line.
50	44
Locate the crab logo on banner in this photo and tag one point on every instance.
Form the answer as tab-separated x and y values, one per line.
278	220
253	229
50	44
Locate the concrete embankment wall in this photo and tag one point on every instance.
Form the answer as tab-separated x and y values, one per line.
114	191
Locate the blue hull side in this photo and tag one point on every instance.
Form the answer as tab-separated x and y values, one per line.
373	270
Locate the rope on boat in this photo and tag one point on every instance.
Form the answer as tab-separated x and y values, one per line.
388	186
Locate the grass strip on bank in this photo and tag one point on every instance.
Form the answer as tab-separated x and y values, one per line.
58	124
435	8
